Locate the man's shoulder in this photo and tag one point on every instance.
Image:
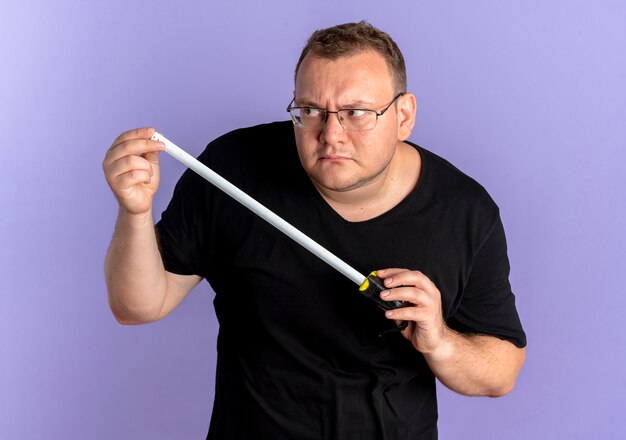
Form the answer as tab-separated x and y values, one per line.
253	152
260	134
454	184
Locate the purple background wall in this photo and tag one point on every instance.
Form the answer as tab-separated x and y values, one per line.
528	97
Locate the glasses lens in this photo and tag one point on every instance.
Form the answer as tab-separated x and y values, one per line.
350	119
357	120
307	117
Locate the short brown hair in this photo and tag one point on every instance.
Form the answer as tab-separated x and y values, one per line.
352	38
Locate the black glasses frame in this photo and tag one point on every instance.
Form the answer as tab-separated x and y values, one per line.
327	112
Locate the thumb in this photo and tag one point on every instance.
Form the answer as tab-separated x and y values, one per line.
152	157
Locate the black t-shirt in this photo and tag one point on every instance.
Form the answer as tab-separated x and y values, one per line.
299	356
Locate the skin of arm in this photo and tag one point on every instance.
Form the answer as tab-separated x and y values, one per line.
473	365
140	290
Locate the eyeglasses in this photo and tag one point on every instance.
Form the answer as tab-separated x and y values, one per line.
351	119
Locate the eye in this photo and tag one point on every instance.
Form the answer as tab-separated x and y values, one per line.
311	112
356	113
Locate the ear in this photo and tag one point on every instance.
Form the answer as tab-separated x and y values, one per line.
407	108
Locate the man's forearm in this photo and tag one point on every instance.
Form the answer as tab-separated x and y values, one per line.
134	272
476	365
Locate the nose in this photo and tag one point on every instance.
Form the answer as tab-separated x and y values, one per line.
332	130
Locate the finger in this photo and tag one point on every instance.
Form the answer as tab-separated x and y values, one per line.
136	133
386	273
411	314
409	294
127	164
134	147
409	278
132	178
152	157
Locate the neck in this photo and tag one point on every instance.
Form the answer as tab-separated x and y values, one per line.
382	193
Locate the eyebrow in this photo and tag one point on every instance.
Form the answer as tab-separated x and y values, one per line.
353	104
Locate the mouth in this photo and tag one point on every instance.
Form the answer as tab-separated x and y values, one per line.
333	157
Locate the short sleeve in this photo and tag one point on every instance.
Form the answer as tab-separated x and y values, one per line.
488	304
181	229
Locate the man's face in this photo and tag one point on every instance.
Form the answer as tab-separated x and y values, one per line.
336	159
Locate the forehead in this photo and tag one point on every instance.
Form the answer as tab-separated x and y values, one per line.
361	76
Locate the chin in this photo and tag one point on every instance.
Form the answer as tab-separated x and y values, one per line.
338	185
